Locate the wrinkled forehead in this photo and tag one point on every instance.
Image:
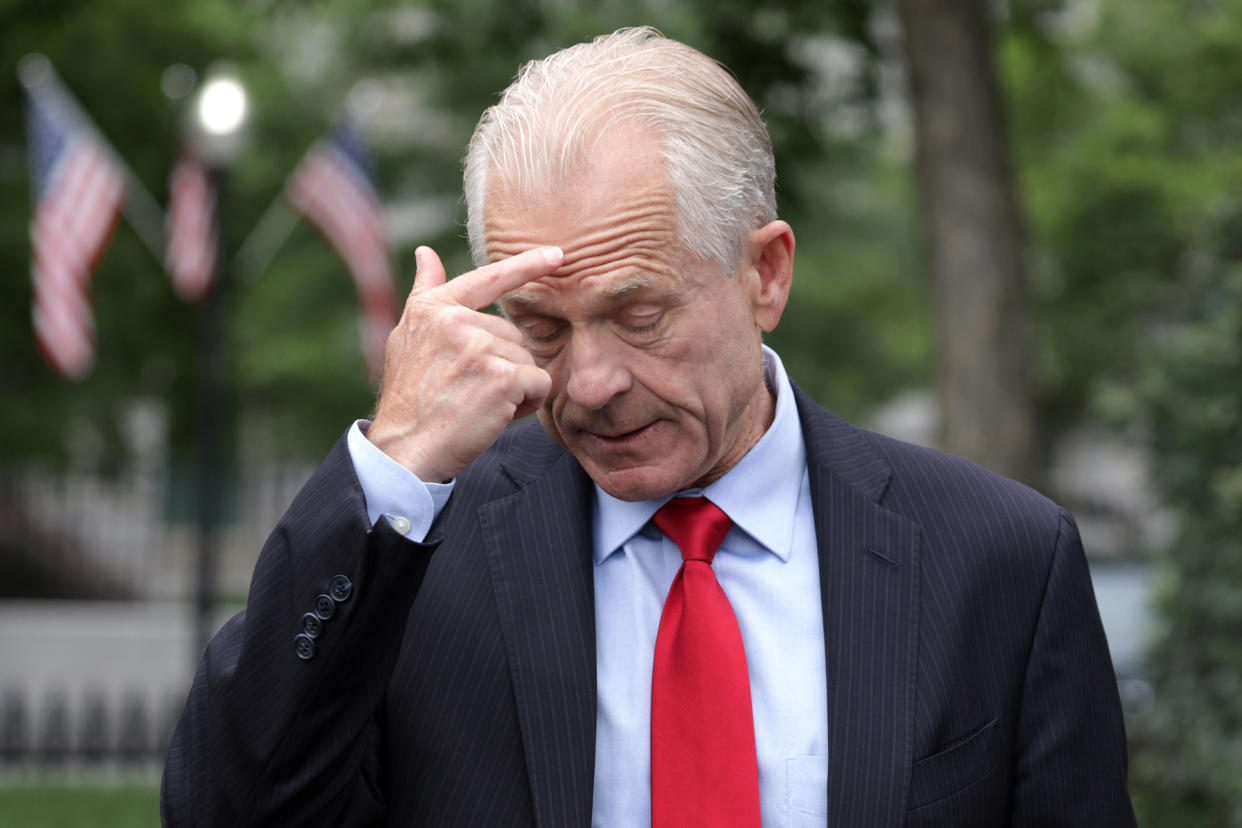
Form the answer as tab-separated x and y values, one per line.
601	293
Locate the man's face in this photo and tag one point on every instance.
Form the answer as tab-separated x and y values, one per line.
657	377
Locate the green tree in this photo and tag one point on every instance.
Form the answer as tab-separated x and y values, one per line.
1126	149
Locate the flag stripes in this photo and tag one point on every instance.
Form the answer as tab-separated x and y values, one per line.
190	249
331	188
79	192
80	187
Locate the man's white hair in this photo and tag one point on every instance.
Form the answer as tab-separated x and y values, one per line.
715	148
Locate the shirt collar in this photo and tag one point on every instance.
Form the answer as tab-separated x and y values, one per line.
759	494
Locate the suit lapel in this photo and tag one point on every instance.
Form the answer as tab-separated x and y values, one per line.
539	554
869	584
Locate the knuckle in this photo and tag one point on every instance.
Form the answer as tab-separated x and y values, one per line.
457	330
500	370
459	316
474	341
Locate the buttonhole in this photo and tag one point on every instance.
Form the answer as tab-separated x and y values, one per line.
881	557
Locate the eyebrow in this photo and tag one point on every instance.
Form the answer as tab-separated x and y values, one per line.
637	283
524	301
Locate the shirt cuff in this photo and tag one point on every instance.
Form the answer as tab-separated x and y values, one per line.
393	491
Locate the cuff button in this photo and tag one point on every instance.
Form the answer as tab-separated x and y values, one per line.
305	646
324	607
312	625
340	588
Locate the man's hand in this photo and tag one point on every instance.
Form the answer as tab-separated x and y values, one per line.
455	377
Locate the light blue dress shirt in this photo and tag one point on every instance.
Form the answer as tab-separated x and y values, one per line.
768	566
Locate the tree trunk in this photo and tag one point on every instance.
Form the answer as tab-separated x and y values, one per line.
973	233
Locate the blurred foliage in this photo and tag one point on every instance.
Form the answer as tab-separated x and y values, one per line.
1126	144
1188	749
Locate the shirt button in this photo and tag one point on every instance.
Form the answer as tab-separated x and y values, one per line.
312	625
401	525
324	607
340	588
305	646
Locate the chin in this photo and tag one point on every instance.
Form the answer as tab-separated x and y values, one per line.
634	484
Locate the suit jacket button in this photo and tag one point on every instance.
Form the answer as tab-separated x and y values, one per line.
340	588
305	646
324	607
312	625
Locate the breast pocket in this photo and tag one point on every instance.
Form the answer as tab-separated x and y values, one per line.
806	791
955	768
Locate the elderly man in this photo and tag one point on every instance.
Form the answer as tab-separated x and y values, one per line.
689	595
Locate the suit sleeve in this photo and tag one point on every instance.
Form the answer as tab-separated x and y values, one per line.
282	730
1071	744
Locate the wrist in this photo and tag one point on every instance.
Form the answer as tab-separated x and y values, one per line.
406	450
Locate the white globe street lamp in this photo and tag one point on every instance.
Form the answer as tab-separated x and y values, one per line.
219	118
222	106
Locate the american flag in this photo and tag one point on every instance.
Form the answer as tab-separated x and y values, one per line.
78	192
332	188
191	231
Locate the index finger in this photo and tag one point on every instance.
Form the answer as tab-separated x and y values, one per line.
480	288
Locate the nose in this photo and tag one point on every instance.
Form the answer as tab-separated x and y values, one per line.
597	369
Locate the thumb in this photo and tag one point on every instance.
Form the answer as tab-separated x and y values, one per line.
429	271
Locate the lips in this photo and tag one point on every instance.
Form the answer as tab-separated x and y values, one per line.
620	435
619	439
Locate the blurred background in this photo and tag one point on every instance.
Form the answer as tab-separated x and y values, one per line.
1019	238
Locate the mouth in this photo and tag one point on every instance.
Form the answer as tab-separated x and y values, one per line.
620	439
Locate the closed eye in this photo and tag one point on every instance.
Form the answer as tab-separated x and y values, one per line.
543	332
644	321
644	328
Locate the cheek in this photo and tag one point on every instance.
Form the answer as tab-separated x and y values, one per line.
730	375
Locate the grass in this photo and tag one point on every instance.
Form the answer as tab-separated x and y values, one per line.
75	806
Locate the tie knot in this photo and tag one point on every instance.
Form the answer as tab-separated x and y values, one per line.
695	524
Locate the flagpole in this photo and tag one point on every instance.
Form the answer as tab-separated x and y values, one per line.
220	110
143	212
209	425
270	234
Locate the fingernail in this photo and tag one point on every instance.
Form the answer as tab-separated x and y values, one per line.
553	254
418	258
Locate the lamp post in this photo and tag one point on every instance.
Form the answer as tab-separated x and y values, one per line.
216	133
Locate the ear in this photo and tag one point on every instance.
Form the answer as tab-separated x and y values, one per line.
770	255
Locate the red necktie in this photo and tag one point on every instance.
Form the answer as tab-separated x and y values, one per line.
703	767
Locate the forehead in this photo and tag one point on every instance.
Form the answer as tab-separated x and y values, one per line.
557	295
615	218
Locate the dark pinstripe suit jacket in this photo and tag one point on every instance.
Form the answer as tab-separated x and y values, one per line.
969	683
